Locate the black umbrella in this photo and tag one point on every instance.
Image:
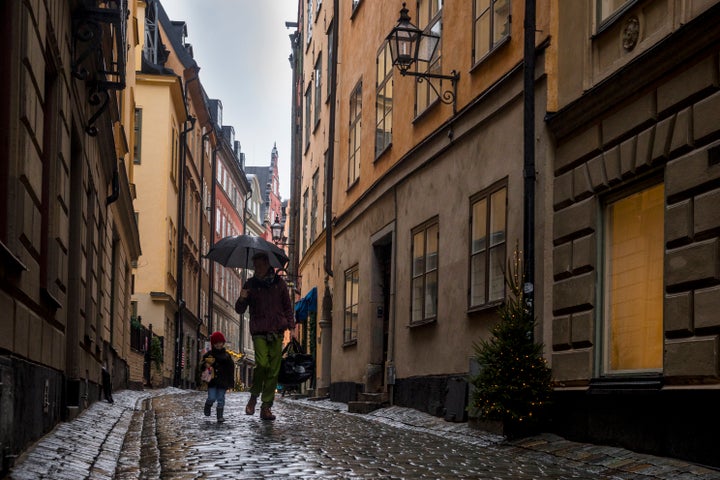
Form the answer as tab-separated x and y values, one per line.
237	251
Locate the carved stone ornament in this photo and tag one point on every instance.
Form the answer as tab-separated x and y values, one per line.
631	33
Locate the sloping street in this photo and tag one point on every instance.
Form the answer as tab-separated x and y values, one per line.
163	434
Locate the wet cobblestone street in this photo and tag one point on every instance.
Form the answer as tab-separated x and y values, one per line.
315	443
163	434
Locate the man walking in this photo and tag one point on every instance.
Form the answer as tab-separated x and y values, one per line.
271	313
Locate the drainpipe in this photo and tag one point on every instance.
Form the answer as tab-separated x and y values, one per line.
326	320
241	347
529	157
211	298
180	239
203	139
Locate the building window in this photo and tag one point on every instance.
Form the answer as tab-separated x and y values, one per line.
490	27
424	272
606	8
314	209
309	23
354	134
430	21
330	46
305	208
350	327
172	250
137	145
174	160
318	88
633	282
488	222
308	108
383	101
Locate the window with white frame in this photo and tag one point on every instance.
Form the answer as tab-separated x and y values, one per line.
137	142
490	27
318	88
354	134
430	21
425	239
309	20
305	208
330	36
308	110
383	100
350	325
314	208
633	251
488	220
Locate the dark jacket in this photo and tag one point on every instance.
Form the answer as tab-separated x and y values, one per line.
223	368
270	308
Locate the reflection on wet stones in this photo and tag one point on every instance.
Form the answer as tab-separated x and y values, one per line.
319	444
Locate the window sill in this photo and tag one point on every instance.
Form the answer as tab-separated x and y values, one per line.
491	53
484	308
626	383
351	343
352	185
425	112
384	151
422	323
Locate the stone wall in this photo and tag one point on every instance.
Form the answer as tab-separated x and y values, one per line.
672	130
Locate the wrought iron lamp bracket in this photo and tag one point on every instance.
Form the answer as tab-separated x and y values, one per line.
448	97
107	57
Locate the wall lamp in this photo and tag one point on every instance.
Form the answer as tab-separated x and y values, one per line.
277	229
410	45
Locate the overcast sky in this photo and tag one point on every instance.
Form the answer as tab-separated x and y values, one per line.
242	48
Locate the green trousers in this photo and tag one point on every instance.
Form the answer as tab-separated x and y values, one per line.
268	354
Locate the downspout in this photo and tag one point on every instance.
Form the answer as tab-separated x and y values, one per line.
326	321
241	347
295	158
203	139
180	236
211	298
331	147
529	158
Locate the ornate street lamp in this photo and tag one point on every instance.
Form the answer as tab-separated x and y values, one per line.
277	230
409	45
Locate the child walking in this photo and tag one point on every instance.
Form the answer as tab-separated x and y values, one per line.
221	369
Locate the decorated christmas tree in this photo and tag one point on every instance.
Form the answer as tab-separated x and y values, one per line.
513	384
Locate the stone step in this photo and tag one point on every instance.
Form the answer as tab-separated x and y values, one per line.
381	397
363	406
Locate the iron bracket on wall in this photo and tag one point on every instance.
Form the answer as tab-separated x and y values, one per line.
448	97
99	51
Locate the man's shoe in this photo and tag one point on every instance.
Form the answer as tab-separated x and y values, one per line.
220	418
250	407
266	414
206	410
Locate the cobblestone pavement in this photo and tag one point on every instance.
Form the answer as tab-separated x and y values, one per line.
166	436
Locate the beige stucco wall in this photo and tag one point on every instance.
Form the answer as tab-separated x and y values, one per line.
438	182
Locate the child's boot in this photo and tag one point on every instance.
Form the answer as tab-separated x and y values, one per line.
220	418
250	407
206	411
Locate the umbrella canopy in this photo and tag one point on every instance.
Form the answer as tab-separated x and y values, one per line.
237	251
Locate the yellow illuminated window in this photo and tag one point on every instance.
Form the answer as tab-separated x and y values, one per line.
634	282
